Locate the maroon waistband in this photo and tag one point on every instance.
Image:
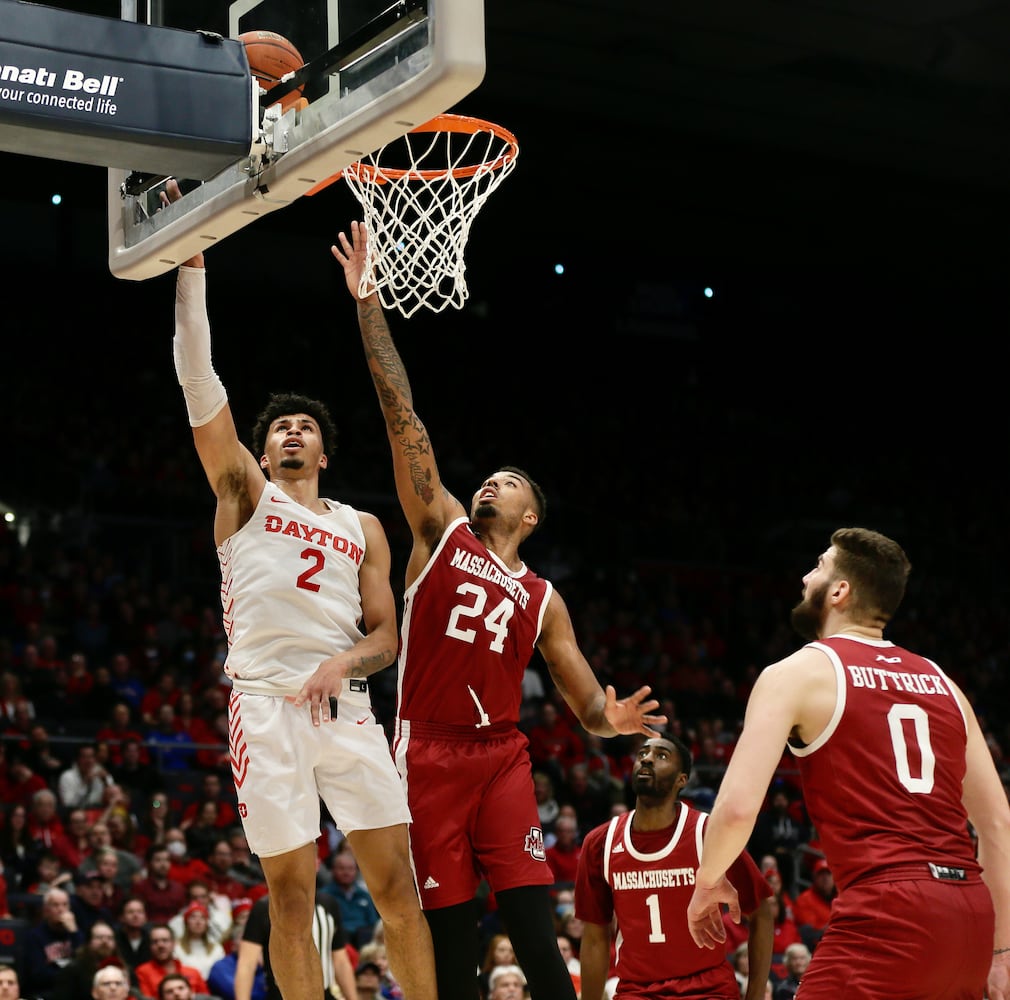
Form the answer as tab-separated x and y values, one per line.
940	871
412	729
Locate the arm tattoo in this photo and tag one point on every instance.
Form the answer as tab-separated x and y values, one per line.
368	665
396	400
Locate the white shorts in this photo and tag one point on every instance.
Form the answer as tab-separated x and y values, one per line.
283	765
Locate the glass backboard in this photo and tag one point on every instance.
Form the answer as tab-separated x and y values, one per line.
373	71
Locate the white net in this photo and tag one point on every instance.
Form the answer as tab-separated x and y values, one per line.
419	195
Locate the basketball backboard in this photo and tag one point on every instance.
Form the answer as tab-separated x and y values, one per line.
374	71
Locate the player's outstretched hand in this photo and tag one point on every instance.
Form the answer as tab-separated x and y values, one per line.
171	192
631	714
704	913
351	255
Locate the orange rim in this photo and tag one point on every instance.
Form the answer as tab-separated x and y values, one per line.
440	123
448	123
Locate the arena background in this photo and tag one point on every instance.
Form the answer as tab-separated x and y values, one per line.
837	174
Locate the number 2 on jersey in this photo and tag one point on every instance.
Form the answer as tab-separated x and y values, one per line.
317	559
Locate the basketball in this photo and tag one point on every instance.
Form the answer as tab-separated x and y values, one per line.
272	56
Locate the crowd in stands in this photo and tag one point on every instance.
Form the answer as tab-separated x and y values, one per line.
119	827
120	835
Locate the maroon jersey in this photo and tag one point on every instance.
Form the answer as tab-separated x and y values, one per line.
882	783
646	878
469	629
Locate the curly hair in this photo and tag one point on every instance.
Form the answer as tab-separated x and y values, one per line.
282	404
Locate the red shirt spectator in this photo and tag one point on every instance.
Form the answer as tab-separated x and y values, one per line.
22	784
6	781
212	788
44	826
150	974
774	877
812	909
214	752
165	692
184	868
163	895
186	715
5	910
117	730
219	877
79	677
554	745
563	855
736	933
785	933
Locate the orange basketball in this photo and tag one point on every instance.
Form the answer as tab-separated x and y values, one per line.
272	56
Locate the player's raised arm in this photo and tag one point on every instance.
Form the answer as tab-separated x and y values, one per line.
772	711
427	505
232	471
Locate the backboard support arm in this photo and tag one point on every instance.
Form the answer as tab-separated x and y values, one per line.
384	28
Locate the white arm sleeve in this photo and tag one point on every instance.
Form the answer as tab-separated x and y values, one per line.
205	395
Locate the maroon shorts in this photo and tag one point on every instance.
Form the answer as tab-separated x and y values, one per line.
474	813
717	983
904	940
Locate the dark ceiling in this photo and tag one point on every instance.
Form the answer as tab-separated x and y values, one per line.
842	168
867	134
916	87
873	122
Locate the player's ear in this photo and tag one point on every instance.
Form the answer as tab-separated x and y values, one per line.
323	462
264	463
531	518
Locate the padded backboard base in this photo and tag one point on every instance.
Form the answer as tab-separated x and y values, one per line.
118	94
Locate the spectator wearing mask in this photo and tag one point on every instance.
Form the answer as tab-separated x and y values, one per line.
185	867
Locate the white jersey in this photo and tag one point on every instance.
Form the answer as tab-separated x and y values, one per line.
290	596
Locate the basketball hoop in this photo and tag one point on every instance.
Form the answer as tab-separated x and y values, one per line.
420	194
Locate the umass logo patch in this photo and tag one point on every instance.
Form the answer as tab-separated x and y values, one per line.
535	844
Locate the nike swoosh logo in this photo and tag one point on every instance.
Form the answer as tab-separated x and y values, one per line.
274	499
361	722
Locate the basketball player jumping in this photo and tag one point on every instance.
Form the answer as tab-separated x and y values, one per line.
473	615
299	573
